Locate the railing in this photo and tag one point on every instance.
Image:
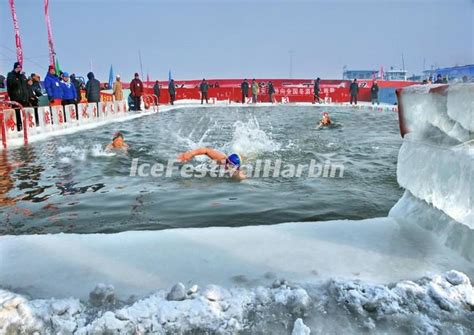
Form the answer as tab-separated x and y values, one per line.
12	122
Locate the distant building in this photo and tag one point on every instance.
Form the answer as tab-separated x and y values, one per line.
359	74
456	73
393	74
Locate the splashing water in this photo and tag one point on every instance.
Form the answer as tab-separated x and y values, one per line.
249	140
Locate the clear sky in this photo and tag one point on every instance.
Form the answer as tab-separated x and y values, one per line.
224	38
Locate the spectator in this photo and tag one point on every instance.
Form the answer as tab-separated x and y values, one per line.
117	89
53	87
254	91
32	98
271	91
354	91
316	91
172	91
204	88
92	88
77	86
374	93
38	90
439	79
465	79
136	90
17	91
2	81
157	92
245	90
69	91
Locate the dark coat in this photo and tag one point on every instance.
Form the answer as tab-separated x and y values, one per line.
204	87
316	87
354	89
52	86
244	87
37	88
374	91
16	87
77	85
271	89
32	98
92	88
136	87
171	88
156	90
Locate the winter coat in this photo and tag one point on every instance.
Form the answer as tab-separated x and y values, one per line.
354	89
254	88
77	85
171	88
204	87
374	91
271	89
136	87
316	87
69	91
32	98
156	90
16	87
37	88
117	90
92	88
53	87
244	87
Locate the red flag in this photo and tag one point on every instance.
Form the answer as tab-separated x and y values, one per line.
19	50
50	33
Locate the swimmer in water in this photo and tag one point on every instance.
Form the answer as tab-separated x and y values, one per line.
231	162
118	143
326	121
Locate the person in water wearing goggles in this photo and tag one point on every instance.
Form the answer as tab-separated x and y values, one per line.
231	162
118	143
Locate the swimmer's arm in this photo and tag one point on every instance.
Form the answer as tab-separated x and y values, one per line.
211	153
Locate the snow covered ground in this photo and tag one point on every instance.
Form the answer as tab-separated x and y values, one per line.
407	273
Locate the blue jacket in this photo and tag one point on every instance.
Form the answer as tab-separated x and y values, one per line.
69	91
53	87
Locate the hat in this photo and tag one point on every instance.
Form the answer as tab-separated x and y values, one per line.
118	76
136	74
235	160
16	64
51	67
65	74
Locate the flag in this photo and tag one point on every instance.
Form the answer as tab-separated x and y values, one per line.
52	54
57	67
19	49
111	76
169	76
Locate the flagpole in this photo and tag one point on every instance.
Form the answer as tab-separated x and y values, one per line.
141	64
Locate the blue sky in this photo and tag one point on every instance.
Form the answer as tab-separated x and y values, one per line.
219	39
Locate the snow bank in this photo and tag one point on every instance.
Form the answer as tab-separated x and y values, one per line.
441	303
140	262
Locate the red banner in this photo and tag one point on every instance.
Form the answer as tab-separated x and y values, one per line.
50	34
19	50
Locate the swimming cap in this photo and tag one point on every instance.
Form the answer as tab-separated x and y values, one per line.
326	114
116	135
235	160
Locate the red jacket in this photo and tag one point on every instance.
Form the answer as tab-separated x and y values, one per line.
136	87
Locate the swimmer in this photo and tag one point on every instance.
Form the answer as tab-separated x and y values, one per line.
118	143
232	161
326	121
